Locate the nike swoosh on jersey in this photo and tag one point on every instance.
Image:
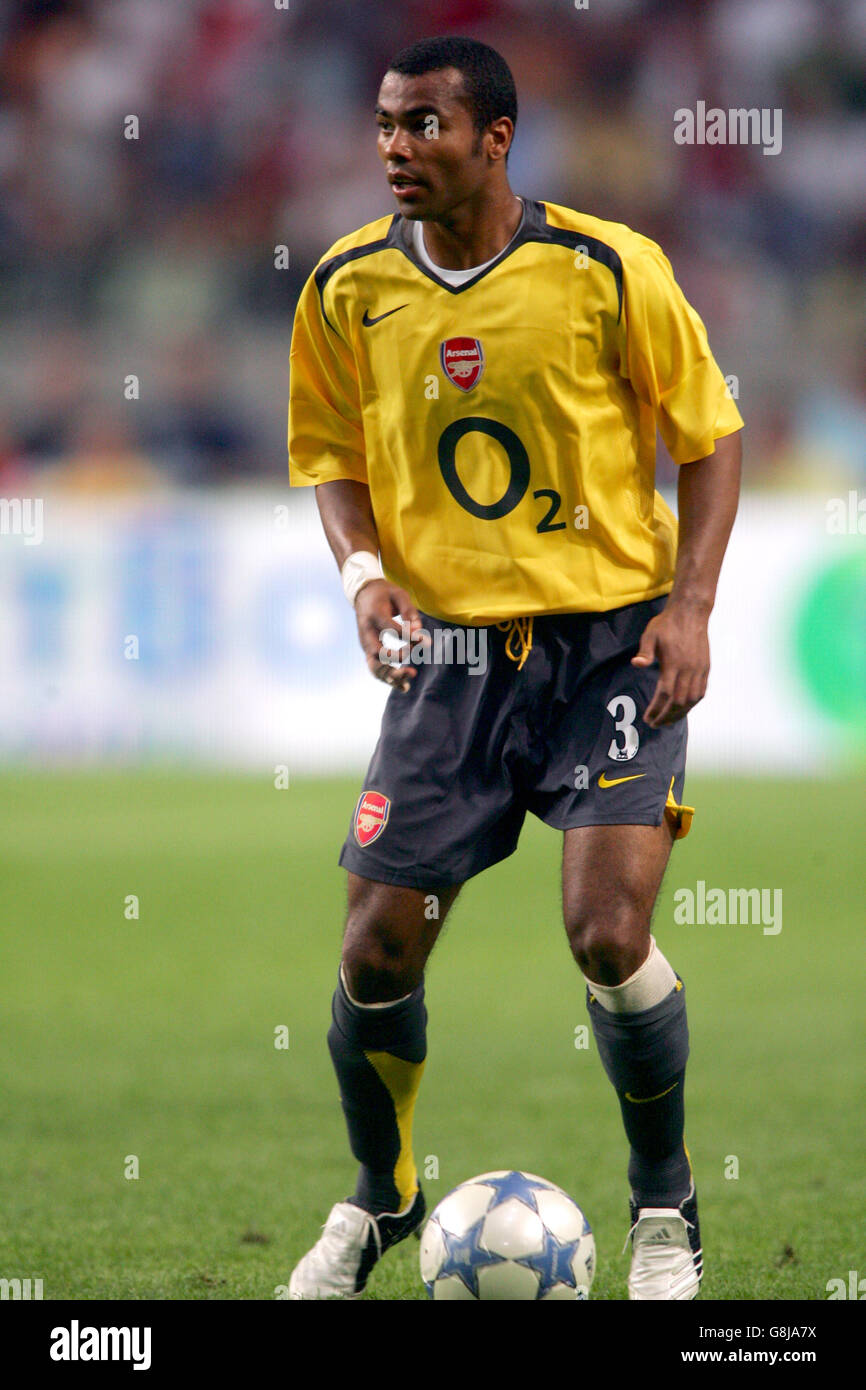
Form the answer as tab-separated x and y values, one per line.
614	782
368	322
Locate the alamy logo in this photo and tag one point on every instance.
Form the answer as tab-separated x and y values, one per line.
856	1287
22	516
445	646
20	1289
738	906
738	126
76	1343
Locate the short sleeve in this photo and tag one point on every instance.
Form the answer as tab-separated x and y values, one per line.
666	356
326	435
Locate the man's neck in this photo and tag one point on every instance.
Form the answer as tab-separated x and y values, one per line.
473	234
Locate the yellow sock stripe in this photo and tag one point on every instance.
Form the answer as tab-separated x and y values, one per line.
402	1080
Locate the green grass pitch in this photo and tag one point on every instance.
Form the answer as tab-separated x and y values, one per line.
153	1038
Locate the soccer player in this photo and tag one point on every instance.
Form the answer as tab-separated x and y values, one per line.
476	384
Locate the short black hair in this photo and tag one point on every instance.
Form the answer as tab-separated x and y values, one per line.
487	79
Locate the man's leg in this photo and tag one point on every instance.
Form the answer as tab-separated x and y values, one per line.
637	1007
378	1033
378	1045
611	877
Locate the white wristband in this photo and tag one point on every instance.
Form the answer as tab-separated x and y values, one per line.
360	568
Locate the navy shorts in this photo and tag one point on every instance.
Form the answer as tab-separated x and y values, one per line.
479	740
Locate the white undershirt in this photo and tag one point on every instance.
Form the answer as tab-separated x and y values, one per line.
452	277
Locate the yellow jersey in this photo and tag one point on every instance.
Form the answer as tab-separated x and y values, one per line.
506	427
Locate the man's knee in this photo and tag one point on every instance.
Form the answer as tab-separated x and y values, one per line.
388	937
609	940
377	964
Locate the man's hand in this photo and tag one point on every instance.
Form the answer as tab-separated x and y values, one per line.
707	492
382	608
677	639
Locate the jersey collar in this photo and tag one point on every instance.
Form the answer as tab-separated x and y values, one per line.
400	236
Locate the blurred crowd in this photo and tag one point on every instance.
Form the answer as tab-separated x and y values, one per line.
154	153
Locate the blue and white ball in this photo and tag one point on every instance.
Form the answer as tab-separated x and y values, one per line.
507	1235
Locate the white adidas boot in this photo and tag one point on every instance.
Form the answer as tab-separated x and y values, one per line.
351	1243
667	1260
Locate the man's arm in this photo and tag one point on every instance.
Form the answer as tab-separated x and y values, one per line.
349	525
707	493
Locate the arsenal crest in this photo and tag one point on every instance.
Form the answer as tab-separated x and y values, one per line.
371	817
462	361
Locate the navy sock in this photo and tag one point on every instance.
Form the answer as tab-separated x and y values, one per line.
378	1055
644	1055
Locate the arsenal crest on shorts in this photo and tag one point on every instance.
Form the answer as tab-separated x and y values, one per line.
462	361
371	817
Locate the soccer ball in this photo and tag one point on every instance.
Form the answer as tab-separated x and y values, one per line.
507	1235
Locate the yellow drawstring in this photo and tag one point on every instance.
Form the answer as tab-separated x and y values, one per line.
519	632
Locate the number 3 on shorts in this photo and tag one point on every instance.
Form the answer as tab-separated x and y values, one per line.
624	706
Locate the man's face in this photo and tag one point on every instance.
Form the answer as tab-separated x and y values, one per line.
433	155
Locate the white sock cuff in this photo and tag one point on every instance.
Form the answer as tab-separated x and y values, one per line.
649	985
358	1005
